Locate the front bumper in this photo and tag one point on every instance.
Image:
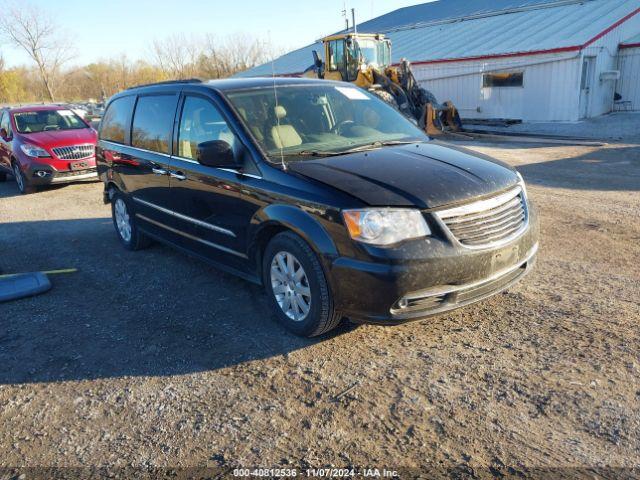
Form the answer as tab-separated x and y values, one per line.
440	276
43	174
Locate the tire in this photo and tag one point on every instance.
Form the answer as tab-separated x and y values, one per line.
23	184
386	97
124	222
311	290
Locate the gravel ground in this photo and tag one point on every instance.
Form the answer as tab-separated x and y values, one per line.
619	126
152	359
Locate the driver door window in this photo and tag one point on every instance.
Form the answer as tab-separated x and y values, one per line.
201	122
351	54
337	56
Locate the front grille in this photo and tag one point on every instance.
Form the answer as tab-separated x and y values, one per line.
488	222
74	152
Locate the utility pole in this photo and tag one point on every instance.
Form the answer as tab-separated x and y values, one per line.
353	21
344	14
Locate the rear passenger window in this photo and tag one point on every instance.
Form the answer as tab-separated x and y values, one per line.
200	122
152	122
115	120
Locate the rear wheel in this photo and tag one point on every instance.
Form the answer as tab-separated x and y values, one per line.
124	222
296	286
21	180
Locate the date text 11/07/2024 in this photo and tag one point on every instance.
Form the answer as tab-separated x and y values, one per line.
316	472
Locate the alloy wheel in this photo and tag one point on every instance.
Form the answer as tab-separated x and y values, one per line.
18	175
123	221
290	286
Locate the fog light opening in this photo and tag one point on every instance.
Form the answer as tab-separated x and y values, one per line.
403	303
42	173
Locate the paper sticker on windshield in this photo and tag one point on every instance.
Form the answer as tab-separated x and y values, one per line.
352	93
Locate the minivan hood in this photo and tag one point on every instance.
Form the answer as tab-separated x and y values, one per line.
60	138
423	175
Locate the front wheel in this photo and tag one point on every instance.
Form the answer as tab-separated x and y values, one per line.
21	180
296	286
124	222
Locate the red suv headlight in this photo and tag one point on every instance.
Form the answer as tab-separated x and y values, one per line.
34	151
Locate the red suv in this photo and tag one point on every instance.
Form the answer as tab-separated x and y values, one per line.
45	144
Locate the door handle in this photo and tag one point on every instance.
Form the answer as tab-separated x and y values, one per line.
178	175
159	171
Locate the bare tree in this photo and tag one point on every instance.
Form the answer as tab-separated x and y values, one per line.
205	56
176	55
222	57
37	34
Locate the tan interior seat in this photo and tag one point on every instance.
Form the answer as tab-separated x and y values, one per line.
284	135
185	149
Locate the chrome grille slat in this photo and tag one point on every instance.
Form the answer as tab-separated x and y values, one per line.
488	213
487	222
490	238
516	218
462	226
74	152
495	233
491	235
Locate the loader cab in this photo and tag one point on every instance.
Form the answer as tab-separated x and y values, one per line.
346	55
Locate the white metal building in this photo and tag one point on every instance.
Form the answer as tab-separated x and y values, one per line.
533	60
629	67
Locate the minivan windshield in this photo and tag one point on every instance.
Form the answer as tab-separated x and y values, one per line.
45	120
309	120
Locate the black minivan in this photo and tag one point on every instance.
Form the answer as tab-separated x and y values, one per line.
329	197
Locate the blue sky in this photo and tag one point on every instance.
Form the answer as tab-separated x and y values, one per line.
108	28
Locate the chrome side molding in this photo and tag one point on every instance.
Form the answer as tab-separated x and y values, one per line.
186	218
191	237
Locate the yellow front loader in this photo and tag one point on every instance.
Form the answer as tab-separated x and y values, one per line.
365	60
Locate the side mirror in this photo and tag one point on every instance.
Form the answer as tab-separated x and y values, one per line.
215	153
4	134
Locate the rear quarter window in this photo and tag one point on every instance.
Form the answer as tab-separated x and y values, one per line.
116	119
153	122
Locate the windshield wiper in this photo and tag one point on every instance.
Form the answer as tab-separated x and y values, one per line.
379	144
308	153
360	148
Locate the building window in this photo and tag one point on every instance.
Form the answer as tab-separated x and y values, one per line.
502	79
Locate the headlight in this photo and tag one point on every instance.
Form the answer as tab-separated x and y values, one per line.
385	226
34	151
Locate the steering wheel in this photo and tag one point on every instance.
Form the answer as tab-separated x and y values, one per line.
51	127
337	128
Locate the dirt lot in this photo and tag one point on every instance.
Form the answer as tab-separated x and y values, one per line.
151	359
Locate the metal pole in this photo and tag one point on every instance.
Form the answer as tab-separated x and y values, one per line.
353	21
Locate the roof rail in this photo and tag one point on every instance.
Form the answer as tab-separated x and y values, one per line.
168	82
